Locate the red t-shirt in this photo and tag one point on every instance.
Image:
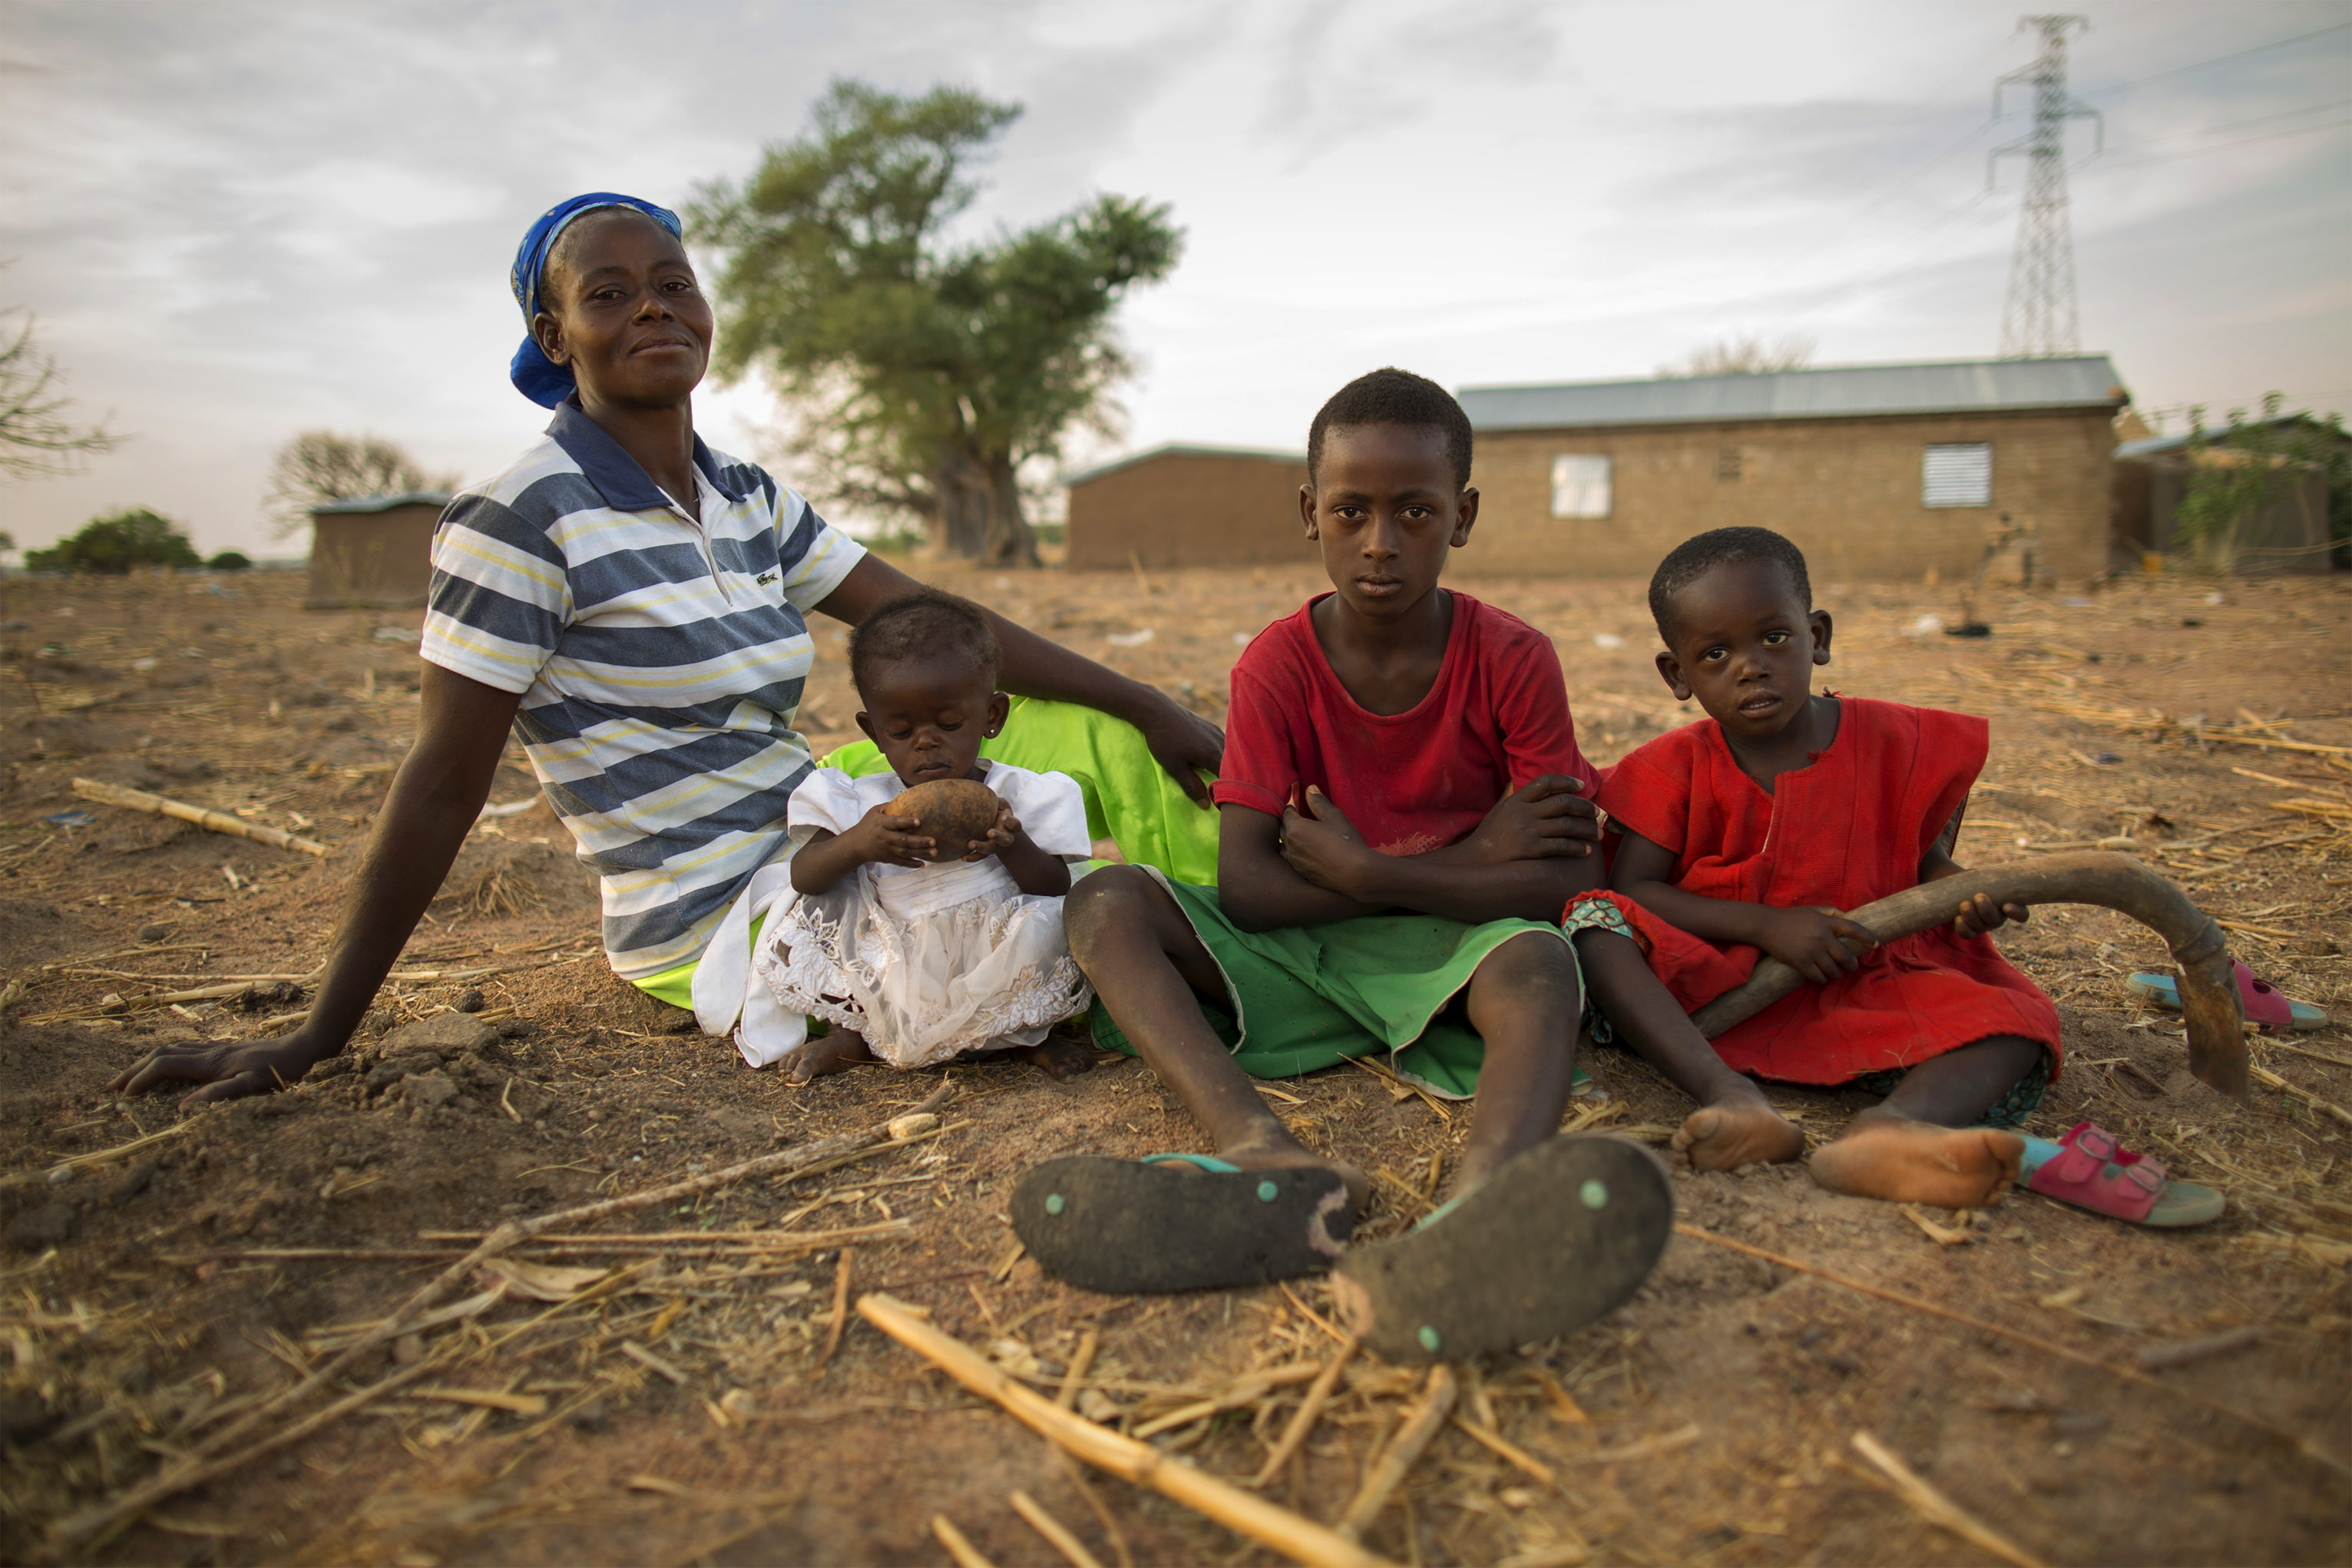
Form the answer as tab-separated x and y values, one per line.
1496	718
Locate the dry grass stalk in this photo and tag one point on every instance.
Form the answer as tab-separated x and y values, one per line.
1386	1473
99	1157
1938	1510
840	1318
1504	1448
2306	1447
104	1518
959	1545
1088	1344
1055	1532
1101	1510
2265	1075
210	821
1310	1410
1300	1539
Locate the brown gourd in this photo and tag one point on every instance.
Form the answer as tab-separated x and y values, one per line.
954	812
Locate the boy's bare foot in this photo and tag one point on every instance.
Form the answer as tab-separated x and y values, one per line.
1060	1057
1736	1132
836	1052
1920	1163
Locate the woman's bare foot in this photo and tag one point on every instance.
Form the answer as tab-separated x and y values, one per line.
1920	1162
1060	1057
836	1052
1734	1133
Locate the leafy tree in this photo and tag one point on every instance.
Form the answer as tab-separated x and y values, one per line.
923	375
115	543
2239	473
318	465
230	560
1742	353
37	440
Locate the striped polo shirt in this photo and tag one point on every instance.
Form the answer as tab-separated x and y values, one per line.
660	661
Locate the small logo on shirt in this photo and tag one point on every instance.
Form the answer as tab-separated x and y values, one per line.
764	579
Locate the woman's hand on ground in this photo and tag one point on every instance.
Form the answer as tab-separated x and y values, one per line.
1548	819
880	838
227	1069
1184	743
1003	836
1980	914
1811	943
1324	847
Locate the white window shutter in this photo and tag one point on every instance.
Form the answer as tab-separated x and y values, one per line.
1958	473
1579	484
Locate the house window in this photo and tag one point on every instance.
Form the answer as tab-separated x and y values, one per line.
1958	473
1579	484
1727	464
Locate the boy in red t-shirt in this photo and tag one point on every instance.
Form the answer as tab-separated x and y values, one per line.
1400	828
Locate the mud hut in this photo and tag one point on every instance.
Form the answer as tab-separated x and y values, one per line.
1189	506
374	553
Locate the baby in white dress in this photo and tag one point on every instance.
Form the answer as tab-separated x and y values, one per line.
910	961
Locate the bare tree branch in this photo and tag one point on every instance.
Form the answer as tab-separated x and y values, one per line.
36	441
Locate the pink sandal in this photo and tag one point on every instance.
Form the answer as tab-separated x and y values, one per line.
2090	1170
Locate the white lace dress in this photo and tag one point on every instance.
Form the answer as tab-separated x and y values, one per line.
929	963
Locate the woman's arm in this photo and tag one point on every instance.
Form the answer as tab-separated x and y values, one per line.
1811	941
1185	743
435	800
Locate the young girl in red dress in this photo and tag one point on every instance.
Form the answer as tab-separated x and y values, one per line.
1747	833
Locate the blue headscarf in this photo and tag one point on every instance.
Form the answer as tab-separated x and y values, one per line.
535	375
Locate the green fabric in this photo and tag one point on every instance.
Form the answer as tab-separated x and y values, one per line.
1305	997
675	986
1130	798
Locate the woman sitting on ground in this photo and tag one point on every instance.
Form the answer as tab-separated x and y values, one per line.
629	604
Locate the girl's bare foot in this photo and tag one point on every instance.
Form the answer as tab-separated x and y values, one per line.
1060	1057
1734	1133
836	1052
1920	1162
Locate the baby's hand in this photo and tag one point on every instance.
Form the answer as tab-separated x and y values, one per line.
1001	837
1980	914
1810	941
880	838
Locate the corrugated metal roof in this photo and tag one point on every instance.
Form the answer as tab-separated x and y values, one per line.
384	503
1179	449
2085	381
2215	435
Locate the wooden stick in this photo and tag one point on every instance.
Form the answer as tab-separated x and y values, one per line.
840	1318
210	821
1310	1410
2265	1075
96	1521
965	1553
1088	1343
1388	1472
1053	1531
2306	1447
1938	1510
1300	1539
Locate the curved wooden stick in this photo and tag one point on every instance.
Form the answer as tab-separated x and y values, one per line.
2209	993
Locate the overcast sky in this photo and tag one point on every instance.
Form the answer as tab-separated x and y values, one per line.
239	221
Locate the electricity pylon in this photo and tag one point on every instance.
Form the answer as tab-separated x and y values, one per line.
2038	320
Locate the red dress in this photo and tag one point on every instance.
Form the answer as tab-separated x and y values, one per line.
1846	831
1496	718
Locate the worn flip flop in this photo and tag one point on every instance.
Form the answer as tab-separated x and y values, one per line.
1562	1236
2090	1170
2264	1003
1123	1227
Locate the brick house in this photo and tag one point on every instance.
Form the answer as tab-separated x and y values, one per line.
1876	471
1189	506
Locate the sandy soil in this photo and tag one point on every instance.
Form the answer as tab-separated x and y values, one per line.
682	1409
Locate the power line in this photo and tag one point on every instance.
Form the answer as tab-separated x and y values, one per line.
2217	60
2216	147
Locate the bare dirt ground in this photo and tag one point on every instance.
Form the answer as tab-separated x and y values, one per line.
674	1404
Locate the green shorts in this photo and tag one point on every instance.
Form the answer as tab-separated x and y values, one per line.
1307	998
